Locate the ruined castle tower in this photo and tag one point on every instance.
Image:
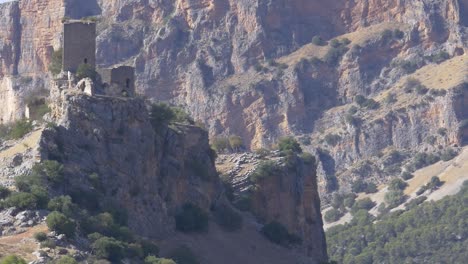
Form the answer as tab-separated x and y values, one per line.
79	44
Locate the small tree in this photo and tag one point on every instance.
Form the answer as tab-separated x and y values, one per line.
55	66
61	224
86	71
235	142
397	184
287	144
317	40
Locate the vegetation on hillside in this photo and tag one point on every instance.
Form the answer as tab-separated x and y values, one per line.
433	232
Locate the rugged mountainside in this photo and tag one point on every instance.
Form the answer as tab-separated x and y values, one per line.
151	172
248	68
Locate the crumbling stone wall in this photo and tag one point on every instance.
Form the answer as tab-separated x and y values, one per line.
79	44
119	81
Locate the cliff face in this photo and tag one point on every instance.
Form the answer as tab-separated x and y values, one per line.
149	174
289	195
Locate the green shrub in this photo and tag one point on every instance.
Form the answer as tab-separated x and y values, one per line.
333	215
86	71
155	260
149	248
48	243
448	154
363	204
220	144
406	175
333	56
64	205
397	184
12	259
162	114
183	255
361	186
61	224
55	66
318	41
191	219
349	200
109	248
227	218
20	128
335	43
395	198
52	170
278	234
337	200
307	158
22	201
4	192
439	57
265	169
236	143
40	236
287	144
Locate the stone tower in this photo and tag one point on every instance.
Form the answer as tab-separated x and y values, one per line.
79	44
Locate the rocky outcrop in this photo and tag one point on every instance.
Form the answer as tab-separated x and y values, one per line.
289	196
149	174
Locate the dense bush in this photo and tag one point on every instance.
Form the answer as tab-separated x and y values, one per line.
12	259
191	218
162	114
363	204
367	103
448	154
439	57
406	175
333	56
183	255
265	169
22	200
428	233
333	215
55	66
19	129
278	234
227	218
289	144
317	40
109	248
395	198
4	192
86	71
361	186
40	236
423	159
61	224
397	184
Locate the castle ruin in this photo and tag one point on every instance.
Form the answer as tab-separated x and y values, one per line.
79	47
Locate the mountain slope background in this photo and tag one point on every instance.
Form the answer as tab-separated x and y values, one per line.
248	68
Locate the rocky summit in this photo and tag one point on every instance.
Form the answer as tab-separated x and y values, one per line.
219	131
